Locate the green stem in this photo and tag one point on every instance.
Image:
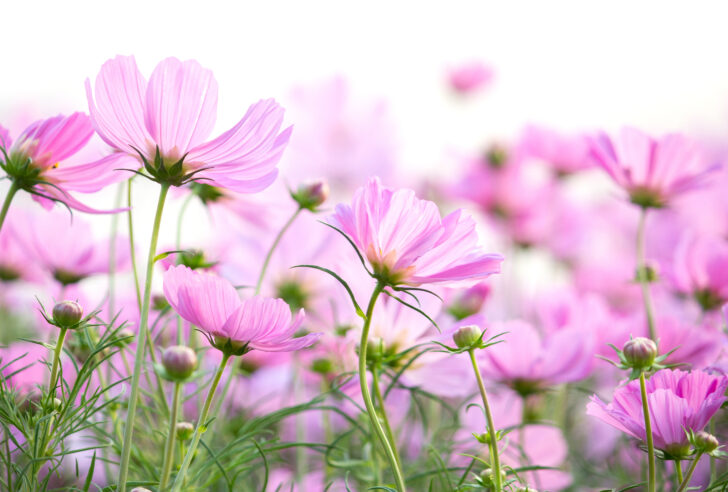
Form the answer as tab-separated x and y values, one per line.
140	340
678	472
380	402
494	457
56	361
398	477
651	477
6	204
689	475
179	480
273	248
642	274
112	251
132	250
713	468
169	444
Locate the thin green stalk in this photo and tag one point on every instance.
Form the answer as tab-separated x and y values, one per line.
689	475
678	472
494	456
132	249
642	274
140	340
380	402
171	435
272	249
180	478
398	476
112	251
651	473
177	246
713	468
56	361
6	204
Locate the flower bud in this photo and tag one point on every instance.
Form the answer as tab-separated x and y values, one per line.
705	443
123	337
67	314
184	430
311	195
322	366
179	362
469	302
467	336
159	302
140	489
640	353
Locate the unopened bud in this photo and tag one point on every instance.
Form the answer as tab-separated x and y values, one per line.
311	195
179	362
640	352
184	430
469	302
159	302
497	156
67	314
124	336
705	443
467	336
322	366
140	489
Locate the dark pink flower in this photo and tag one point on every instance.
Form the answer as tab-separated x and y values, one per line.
470	77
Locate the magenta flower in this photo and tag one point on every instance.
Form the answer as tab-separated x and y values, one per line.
407	242
470	77
529	362
231	324
37	161
679	401
652	171
165	124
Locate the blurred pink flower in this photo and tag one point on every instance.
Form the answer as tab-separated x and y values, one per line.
678	401
213	305
24	360
407	242
66	248
652	171
15	261
564	154
470	77
530	362
700	269
175	112
46	145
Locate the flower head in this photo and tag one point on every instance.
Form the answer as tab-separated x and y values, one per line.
652	171
407	242
470	77
679	401
231	324
37	161
164	124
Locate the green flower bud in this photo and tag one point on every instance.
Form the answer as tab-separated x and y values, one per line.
184	430
640	353
179	362
67	314
467	336
705	443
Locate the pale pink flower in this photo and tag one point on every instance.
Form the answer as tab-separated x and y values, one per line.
174	113
212	304
679	401
24	361
15	261
700	269
565	154
530	362
46	146
407	242
652	171
470	77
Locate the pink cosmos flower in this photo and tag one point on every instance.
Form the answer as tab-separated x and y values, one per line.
173	115
24	359
470	77
652	171
678	401
66	247
565	154
37	161
700	269
212	304
407	242
15	262
529	362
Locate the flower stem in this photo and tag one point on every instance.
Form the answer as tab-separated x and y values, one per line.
398	477
642	274
494	458
132	250
140	341
273	248
169	444
689	475
678	472
6	204
651	477
380	402
56	361
179	480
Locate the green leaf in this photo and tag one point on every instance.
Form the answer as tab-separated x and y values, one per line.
359	311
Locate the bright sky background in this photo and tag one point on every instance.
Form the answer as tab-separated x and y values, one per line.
574	65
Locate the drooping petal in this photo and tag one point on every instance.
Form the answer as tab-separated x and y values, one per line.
92	176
